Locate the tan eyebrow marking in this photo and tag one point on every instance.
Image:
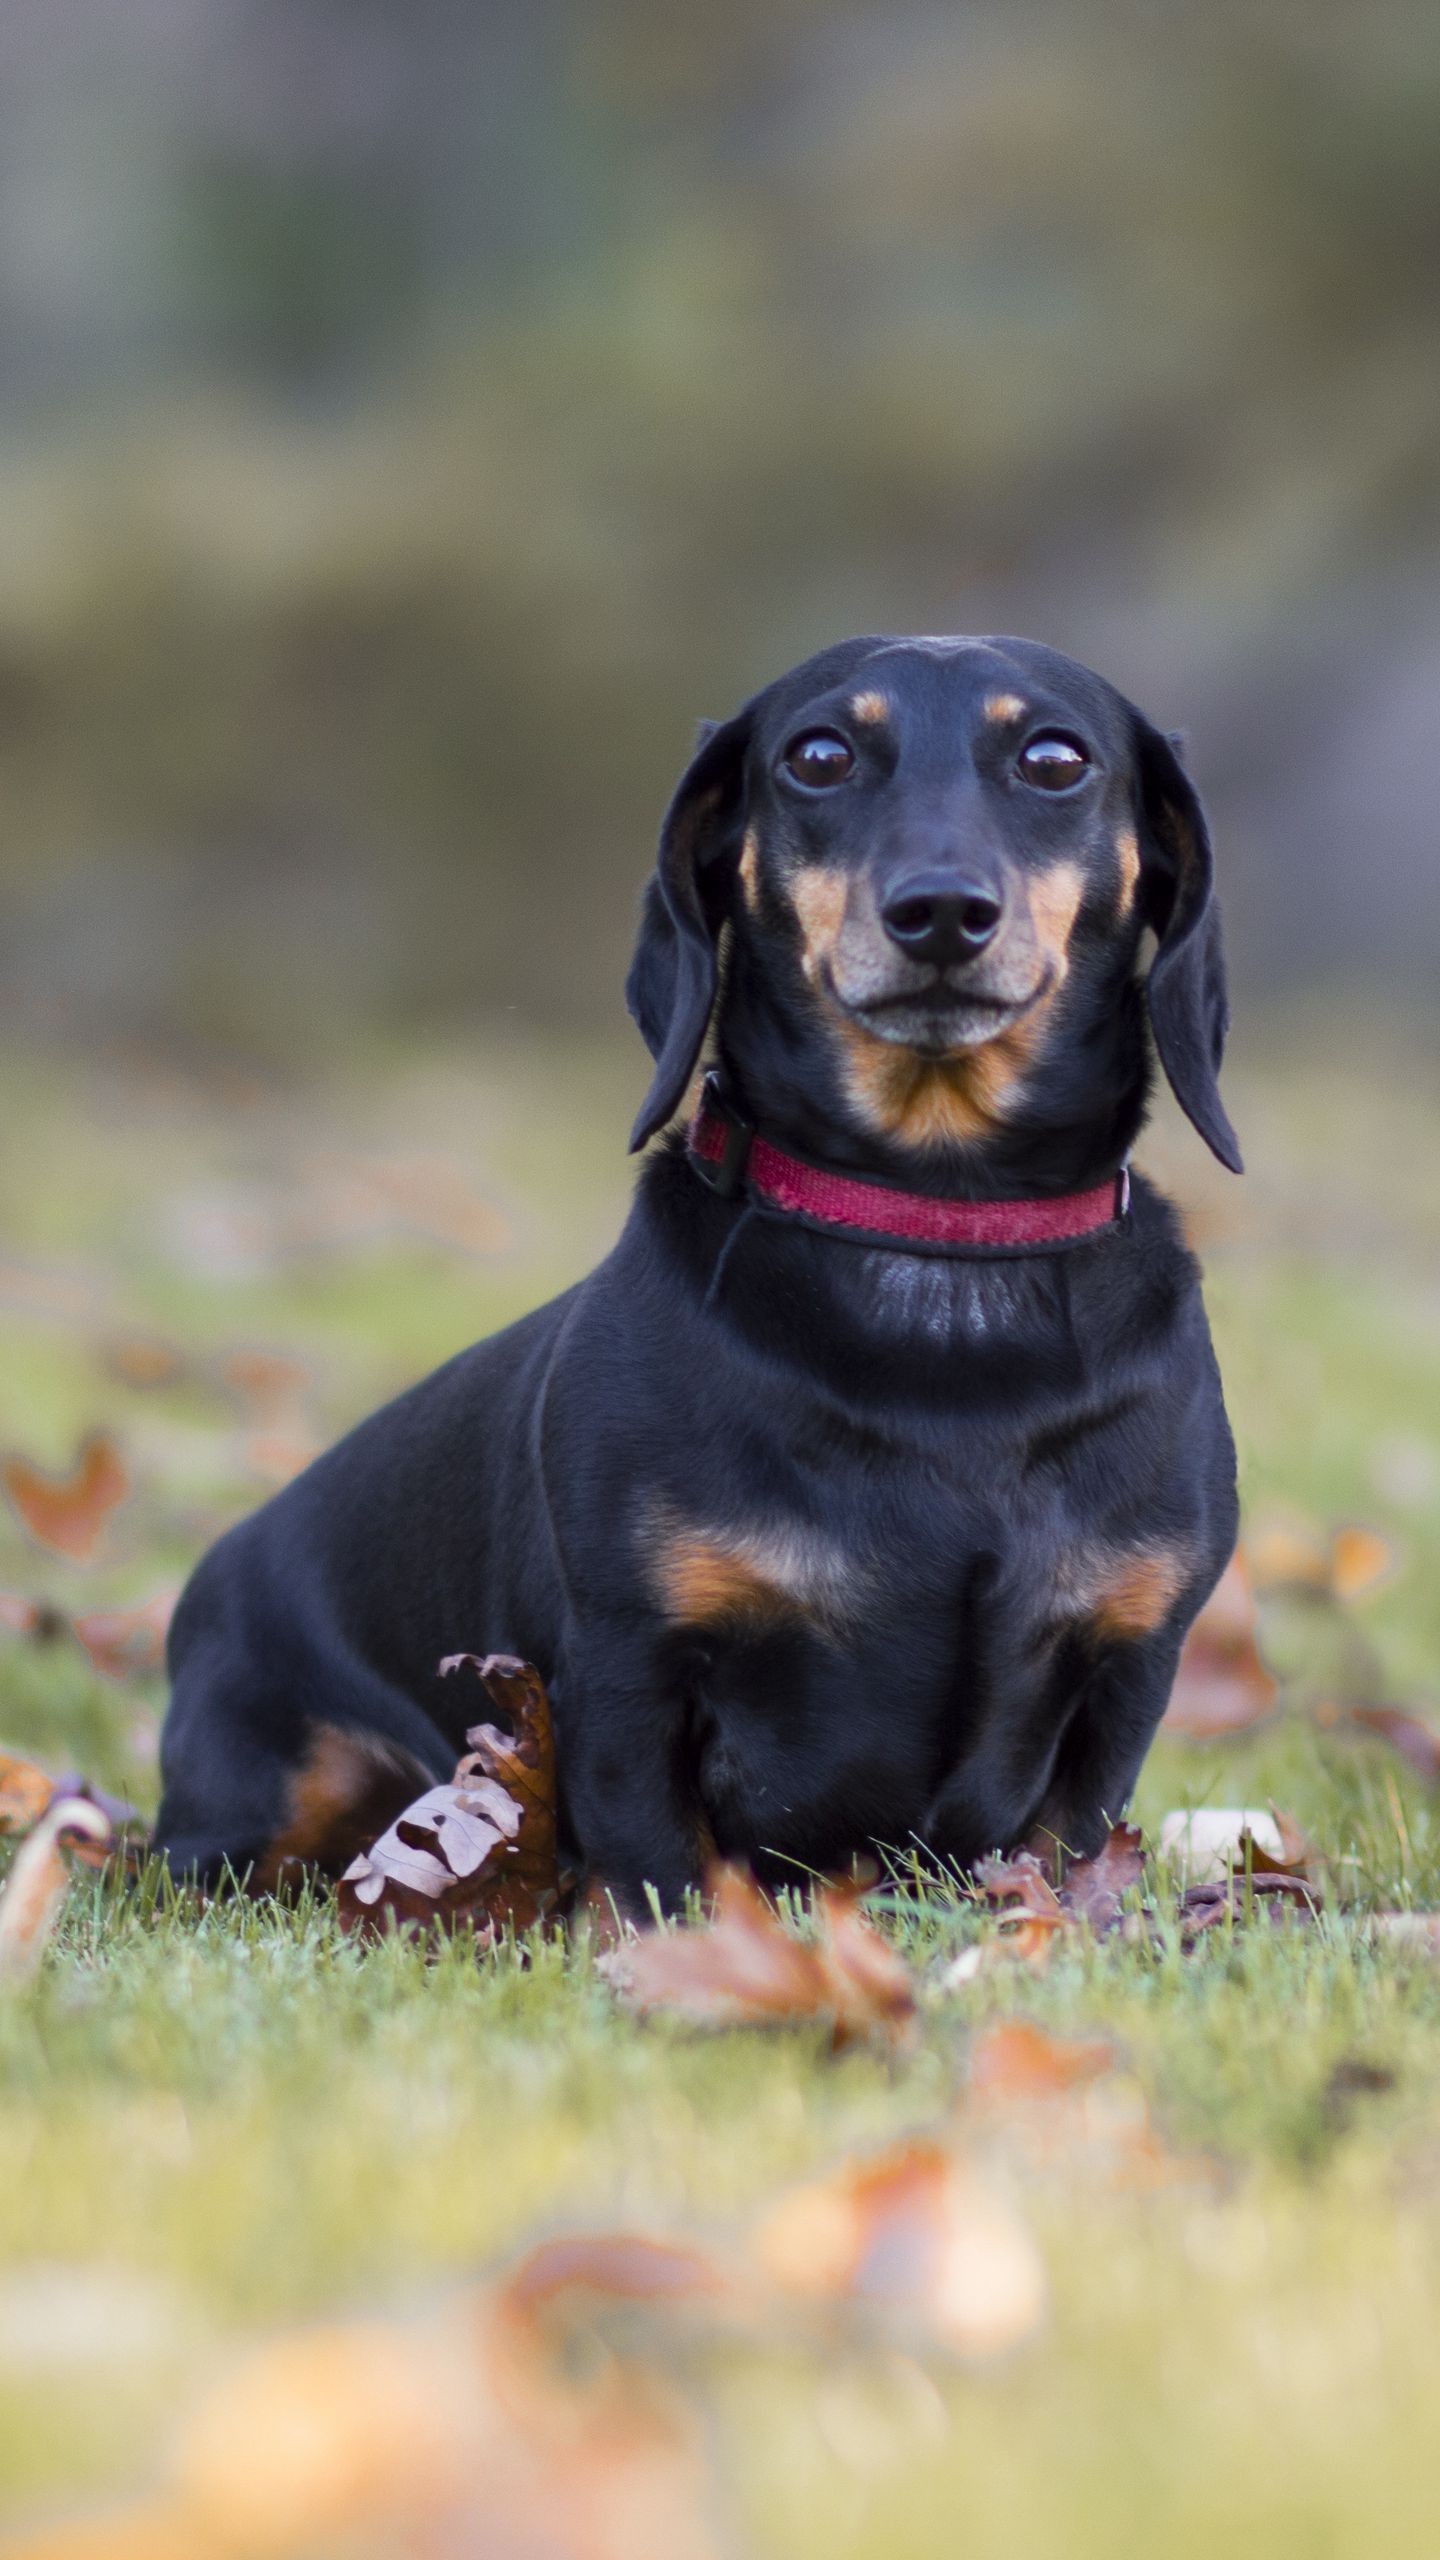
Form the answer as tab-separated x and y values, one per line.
871	707
1004	706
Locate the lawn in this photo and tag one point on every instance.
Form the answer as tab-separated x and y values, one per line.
216	2125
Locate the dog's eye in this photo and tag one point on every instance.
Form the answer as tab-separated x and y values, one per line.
819	758
1053	762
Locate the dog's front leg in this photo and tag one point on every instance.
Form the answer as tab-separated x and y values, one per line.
626	1785
1104	1744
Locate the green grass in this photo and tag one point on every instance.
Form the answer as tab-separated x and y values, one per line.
213	2123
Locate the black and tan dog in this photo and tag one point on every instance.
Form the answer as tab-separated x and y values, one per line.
865	1493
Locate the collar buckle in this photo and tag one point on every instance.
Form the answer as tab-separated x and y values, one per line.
723	1174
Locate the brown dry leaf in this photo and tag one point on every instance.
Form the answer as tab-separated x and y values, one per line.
1287	1555
1033	1916
1296	1556
269	1386
1222	1685
464	2431
1296	1855
523	1762
479	1853
25	1792
1360	1560
1093	1887
39	1880
912	2236
1239	1898
68	1514
143	1360
743	1968
1417	1743
1030	1912
125	1644
1068	2106
1017	2060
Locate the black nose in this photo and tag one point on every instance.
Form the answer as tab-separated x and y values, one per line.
940	916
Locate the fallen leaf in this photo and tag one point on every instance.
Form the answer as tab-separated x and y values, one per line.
68	1514
1029	1910
1222	1685
143	1360
1287	1555
269	1386
914	2237
744	1968
124	1644
1417	1743
1207	1843
1296	1556
480	1852
25	1792
1093	1887
1018	2060
1360	1560
39	1880
1240	1898
1066	2103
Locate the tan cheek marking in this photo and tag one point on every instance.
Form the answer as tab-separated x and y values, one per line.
818	898
931	1102
1055	897
1004	706
347	1790
749	868
870	708
1127	854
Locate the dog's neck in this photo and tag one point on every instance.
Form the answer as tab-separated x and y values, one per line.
1054	1130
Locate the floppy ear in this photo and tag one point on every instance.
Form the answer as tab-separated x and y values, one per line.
675	973
1189	1007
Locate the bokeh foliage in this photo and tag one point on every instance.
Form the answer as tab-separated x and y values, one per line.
434	412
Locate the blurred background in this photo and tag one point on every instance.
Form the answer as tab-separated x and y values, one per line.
414	416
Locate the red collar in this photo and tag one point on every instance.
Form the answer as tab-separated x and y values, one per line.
731	1156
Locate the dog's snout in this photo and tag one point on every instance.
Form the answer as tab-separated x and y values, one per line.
941	916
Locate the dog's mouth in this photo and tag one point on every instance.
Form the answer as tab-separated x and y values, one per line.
942	1019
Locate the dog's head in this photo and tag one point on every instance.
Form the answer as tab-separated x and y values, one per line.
937	859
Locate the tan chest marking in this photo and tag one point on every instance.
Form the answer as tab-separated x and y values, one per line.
931	1102
1120	1595
711	1577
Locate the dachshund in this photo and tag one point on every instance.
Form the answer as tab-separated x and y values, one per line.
862	1497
